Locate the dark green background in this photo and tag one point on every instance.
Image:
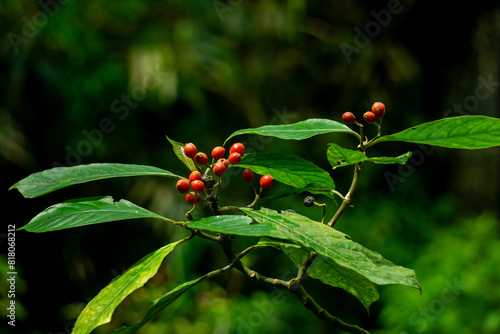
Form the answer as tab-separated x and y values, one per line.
197	73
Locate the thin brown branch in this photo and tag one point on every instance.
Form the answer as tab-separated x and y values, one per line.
321	313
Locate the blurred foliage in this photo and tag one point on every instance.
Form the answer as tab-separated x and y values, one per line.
94	81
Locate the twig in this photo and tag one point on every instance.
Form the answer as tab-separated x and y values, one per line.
321	313
347	199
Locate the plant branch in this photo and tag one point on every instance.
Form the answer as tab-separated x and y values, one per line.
294	285
248	250
257	197
321	313
347	199
204	235
305	266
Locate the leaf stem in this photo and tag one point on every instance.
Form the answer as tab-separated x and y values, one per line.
324	210
257	197
229	208
347	199
307	263
335	192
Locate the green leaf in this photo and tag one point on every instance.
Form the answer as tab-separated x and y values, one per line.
329	272
231	224
290	170
100	309
340	157
463	132
313	236
276	243
42	183
294	191
179	152
297	131
86	211
158	305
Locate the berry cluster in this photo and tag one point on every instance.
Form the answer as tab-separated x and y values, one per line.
205	186
378	111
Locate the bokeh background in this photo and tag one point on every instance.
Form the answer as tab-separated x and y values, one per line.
94	81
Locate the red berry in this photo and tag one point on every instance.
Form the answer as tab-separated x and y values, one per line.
237	147
219	168
190	150
201	158
378	108
369	117
218	152
225	162
349	117
247	175
234	158
192	199
182	186
198	186
195	175
266	181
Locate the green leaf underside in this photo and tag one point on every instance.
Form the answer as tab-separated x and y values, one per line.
49	180
179	152
293	191
326	241
461	132
276	243
158	305
340	157
100	309
297	131
290	170
86	211
329	272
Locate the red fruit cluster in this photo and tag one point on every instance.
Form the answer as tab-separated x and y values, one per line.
197	184
378	110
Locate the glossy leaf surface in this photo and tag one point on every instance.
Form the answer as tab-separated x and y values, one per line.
86	211
462	132
297	131
100	309
49	180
